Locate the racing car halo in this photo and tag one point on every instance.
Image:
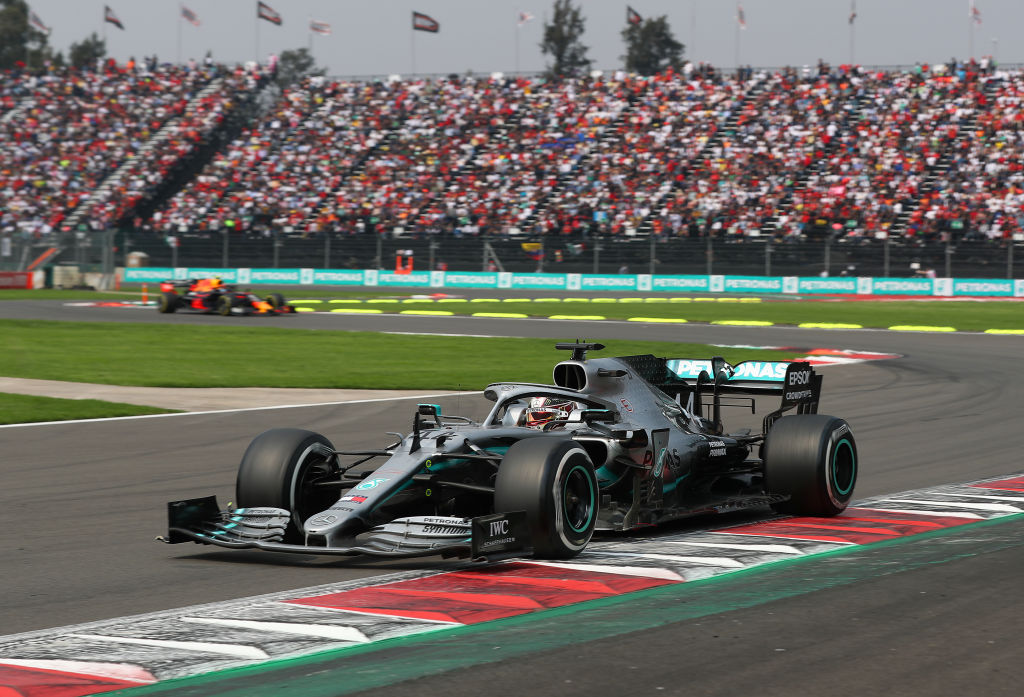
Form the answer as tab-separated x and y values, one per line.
614	444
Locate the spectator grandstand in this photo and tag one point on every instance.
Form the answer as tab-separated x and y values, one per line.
929	154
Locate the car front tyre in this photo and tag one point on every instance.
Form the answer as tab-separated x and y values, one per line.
553	480
168	302
280	469
224	305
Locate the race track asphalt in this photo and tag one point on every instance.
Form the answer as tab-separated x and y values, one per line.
80	504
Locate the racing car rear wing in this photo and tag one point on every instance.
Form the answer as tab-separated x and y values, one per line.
797	384
688	380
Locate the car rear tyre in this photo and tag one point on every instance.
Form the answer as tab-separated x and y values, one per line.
224	305
276	301
168	302
553	480
812	458
280	469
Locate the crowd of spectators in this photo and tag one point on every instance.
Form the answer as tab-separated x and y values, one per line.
65	132
930	153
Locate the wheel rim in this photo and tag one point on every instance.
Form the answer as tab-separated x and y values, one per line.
578	499
844	467
309	498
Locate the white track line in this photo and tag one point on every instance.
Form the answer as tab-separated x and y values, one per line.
238	411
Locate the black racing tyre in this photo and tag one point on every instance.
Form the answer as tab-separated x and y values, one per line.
168	302
280	468
275	300
553	480
813	459
224	305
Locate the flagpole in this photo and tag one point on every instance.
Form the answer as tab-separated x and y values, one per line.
853	28
180	9
256	34
970	24
693	30
518	16
412	49
737	56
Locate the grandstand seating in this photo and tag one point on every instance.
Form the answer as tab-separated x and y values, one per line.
925	154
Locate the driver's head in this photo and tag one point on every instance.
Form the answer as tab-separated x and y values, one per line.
545	409
215	282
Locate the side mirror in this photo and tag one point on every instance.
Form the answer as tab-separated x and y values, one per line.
431	410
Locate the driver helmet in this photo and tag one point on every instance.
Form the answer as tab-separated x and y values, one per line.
546	409
215	282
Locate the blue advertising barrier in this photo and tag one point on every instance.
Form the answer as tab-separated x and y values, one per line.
629	283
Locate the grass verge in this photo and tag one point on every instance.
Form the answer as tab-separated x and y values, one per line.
961	315
224	356
21	409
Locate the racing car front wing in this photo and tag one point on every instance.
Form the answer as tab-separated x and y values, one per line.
485	538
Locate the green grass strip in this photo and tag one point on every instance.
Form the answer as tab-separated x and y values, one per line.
22	409
118	353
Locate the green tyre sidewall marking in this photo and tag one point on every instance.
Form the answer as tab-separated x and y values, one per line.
844	445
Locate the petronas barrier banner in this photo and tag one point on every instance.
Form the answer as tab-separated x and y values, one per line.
630	283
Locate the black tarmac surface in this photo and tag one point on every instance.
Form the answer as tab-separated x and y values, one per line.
80	504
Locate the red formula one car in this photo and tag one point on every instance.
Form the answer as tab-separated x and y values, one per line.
213	295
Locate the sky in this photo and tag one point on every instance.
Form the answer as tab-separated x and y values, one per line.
483	36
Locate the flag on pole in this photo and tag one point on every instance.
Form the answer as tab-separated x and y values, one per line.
109	16
632	16
36	22
319	27
741	18
534	250
853	11
189	16
265	11
974	13
525	17
422	22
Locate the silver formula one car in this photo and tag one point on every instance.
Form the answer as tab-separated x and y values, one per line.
614	444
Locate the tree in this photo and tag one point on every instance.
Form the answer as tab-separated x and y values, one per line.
86	53
295	65
19	40
650	47
562	41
